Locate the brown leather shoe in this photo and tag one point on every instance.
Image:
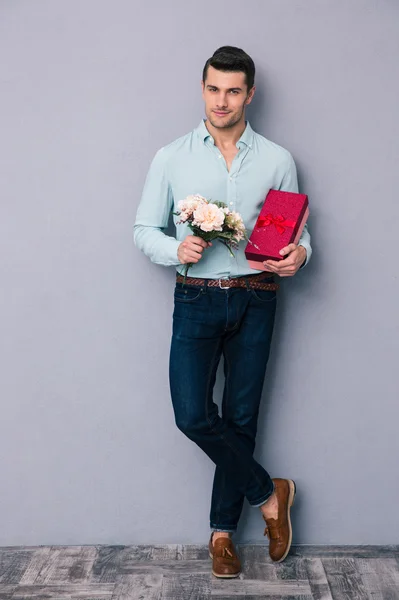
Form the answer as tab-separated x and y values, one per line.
225	561
279	531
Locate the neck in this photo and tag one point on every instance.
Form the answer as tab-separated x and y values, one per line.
228	136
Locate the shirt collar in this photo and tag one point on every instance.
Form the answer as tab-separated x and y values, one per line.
246	137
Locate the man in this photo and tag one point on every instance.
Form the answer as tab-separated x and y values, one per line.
225	308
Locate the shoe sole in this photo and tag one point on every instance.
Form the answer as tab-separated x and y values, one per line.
223	576
226	576
291	499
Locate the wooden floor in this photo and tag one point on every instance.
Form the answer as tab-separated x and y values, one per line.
183	573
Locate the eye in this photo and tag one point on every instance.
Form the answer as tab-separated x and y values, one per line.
234	91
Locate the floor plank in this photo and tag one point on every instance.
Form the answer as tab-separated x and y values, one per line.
179	572
13	565
139	587
317	579
106	566
380	577
344	579
256	563
343	551
166	552
261	589
69	591
167	566
37	562
186	586
63	564
291	568
6	591
191	552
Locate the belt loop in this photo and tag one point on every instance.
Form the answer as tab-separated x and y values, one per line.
247	284
205	286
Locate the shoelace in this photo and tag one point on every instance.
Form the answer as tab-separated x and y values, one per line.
227	553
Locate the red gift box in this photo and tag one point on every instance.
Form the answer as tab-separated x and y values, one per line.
280	222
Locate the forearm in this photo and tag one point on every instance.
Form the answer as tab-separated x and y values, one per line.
161	249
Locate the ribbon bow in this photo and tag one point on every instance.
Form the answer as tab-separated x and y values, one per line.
278	221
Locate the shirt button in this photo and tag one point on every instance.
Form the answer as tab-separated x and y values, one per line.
231	203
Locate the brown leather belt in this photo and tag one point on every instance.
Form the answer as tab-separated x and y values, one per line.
257	282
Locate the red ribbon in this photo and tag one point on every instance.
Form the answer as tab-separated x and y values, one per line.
278	221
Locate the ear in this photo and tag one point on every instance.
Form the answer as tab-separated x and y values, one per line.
250	95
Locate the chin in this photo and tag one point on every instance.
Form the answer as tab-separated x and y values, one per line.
221	124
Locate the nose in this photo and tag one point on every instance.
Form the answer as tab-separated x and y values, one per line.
221	102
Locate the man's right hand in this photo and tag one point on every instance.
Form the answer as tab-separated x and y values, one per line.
190	251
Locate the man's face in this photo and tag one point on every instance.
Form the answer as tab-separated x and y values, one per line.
225	96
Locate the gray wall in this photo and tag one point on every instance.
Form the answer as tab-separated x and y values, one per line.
89	452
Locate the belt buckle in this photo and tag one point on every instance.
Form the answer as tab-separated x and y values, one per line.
226	287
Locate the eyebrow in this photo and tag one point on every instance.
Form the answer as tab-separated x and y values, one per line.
229	89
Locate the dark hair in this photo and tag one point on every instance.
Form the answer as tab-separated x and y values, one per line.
230	58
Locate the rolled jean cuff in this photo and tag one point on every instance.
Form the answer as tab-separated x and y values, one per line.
265	498
225	529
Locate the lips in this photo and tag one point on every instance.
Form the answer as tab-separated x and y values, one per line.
220	113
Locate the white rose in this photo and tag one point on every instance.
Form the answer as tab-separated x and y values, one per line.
209	217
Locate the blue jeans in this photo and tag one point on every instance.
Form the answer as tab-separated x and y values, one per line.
238	323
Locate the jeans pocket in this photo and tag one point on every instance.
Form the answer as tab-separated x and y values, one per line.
264	295
187	293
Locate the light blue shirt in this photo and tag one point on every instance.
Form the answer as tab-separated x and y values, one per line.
192	164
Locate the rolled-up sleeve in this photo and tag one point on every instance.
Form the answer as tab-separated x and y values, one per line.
289	183
153	215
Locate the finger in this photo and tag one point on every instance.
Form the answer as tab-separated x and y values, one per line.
188	250
196	247
286	262
270	268
193	256
197	240
275	265
288	249
288	272
191	242
194	251
282	268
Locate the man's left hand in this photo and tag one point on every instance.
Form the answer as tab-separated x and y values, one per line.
295	257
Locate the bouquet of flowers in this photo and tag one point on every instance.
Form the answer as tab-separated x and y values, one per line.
210	221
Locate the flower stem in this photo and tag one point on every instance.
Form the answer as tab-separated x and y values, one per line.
227	246
188	265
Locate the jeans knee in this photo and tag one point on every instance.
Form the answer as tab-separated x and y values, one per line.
191	427
182	425
245	427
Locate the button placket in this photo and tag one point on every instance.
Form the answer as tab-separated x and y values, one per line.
232	193
236	166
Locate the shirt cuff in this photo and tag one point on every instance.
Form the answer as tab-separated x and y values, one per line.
171	258
308	253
